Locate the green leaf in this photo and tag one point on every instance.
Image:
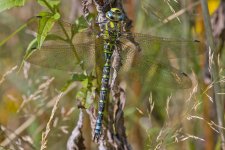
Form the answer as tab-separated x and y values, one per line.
81	96
49	3
75	77
85	83
46	23
56	16
7	4
82	24
30	49
79	77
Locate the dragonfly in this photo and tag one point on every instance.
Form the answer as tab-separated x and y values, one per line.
137	52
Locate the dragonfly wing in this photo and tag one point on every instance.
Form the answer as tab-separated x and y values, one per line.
64	48
64	57
166	47
62	30
157	75
151	70
53	57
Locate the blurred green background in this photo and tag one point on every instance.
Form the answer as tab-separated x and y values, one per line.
179	119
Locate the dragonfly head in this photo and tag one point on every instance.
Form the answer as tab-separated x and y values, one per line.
115	14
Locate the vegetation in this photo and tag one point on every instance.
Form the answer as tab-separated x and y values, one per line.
46	107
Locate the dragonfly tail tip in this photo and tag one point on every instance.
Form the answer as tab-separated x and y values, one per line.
96	137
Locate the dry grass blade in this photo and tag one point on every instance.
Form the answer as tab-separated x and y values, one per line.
23	139
7	73
151	104
215	127
32	118
42	88
167	105
188	136
49	124
175	15
173	131
171	8
180	12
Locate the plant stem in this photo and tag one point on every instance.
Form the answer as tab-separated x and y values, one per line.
213	52
14	33
48	5
69	40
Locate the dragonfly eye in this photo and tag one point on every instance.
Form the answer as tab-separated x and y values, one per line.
110	15
115	14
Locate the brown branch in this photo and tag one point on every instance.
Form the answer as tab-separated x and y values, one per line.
76	140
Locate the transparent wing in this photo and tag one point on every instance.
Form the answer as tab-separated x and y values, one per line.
154	75
63	30
150	72
85	37
142	55
166	47
65	48
61	56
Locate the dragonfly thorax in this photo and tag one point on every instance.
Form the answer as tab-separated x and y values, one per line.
113	25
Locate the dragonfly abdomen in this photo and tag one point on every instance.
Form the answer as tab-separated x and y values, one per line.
108	51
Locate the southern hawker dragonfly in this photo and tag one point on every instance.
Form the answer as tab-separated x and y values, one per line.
68	49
